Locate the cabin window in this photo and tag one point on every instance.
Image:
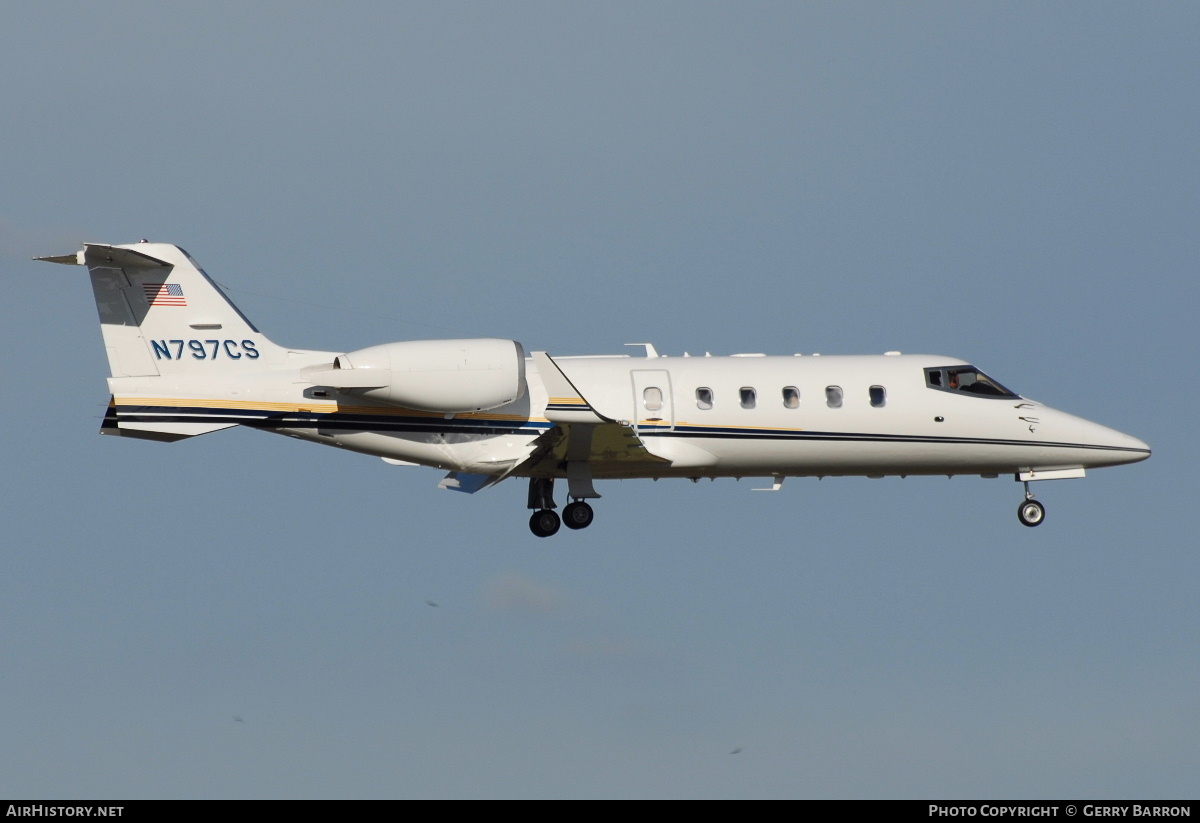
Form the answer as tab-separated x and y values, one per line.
704	398
652	398
791	397
833	397
878	396
749	397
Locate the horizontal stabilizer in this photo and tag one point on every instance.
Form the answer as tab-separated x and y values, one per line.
163	432
65	259
98	254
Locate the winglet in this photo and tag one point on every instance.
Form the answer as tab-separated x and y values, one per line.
565	403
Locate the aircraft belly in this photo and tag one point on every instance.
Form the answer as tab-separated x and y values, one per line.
713	457
489	454
477	454
424	449
846	453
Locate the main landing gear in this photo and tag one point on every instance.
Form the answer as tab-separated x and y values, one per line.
578	515
545	521
1031	513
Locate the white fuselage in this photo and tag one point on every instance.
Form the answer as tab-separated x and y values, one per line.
703	422
185	362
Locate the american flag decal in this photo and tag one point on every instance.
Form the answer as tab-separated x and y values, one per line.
164	294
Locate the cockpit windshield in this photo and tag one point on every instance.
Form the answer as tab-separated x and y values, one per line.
965	379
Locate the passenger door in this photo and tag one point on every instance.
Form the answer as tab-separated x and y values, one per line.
652	407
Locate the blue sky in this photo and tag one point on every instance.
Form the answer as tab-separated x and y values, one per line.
1013	184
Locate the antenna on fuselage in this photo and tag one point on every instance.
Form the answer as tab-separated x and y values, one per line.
651	352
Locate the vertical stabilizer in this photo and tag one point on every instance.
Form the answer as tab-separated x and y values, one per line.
160	314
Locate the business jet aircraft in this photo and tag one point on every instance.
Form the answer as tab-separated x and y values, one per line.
186	362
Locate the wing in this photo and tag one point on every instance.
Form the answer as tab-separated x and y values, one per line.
605	447
583	443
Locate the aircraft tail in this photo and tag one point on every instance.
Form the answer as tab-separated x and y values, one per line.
161	315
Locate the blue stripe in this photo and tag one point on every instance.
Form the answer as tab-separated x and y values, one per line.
262	419
718	433
349	421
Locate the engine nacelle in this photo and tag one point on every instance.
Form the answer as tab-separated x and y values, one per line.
446	376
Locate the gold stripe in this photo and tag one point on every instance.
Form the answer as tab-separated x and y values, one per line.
320	408
741	428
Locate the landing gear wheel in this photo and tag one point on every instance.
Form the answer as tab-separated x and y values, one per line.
1031	513
578	515
544	523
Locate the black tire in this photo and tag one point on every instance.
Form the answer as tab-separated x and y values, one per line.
1031	513
544	523
578	515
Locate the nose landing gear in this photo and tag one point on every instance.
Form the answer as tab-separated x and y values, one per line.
1031	513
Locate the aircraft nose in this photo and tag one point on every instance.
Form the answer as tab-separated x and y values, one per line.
1109	447
1129	447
